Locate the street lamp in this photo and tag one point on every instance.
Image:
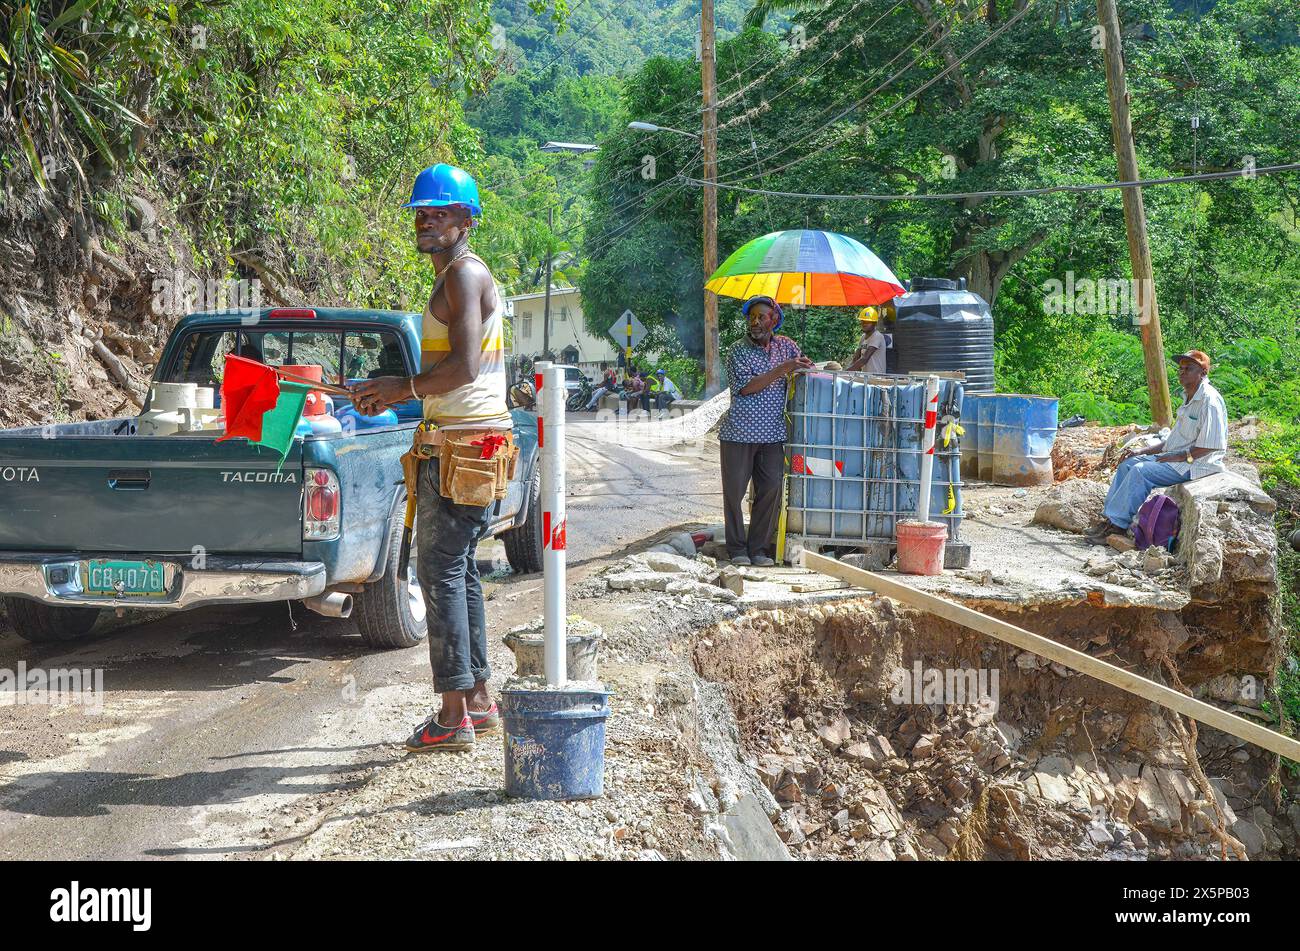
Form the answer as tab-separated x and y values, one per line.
651	127
709	142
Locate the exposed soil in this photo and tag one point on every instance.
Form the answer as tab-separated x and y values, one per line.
1059	766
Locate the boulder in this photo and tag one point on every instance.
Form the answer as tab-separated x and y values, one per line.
1226	536
1073	505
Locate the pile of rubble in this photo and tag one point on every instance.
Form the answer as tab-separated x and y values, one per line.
668	572
1148	569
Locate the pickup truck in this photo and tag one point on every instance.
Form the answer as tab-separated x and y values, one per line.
96	516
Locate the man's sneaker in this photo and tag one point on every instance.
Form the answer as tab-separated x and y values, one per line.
742	560
430	736
485	721
762	561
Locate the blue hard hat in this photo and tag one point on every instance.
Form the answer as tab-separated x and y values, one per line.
444	184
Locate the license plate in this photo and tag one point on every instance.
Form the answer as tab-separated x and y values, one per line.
130	579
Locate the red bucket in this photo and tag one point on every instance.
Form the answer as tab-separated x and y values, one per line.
920	547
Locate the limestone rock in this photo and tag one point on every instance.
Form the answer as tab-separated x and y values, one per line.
638	581
1073	505
730	579
664	562
1226	535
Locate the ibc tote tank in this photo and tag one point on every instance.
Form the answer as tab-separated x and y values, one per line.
942	326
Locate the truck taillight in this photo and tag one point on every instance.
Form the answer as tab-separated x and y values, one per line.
320	517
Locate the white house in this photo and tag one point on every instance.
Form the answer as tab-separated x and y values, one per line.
569	339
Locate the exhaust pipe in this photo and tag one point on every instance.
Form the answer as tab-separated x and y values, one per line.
330	604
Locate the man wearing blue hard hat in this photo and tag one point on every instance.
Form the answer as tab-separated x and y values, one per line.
752	437
462	385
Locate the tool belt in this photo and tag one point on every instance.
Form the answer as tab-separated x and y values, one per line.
475	466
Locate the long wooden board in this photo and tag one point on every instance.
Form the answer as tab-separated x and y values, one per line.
1046	647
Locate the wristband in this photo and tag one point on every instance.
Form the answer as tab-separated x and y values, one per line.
414	395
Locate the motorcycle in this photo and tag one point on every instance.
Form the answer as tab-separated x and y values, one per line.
581	396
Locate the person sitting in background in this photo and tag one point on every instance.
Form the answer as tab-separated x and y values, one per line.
633	386
1194	449
752	437
608	384
661	391
870	355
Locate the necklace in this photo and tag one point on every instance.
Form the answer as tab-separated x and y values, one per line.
454	258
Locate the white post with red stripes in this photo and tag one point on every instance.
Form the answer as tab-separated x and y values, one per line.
927	447
550	440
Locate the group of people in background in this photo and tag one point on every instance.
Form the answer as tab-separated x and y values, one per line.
640	387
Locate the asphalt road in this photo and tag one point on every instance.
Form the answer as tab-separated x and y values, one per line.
225	732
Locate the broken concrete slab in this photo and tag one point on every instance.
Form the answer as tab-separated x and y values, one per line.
1226	536
668	562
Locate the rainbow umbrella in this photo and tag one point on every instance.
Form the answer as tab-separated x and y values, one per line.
816	268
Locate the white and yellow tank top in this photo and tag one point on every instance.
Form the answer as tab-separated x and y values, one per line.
481	403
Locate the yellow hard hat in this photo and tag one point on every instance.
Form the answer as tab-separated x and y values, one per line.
869	313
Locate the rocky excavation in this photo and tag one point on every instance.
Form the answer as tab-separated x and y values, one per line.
846	714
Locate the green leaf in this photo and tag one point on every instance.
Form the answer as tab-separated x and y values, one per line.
29	149
88	126
73	12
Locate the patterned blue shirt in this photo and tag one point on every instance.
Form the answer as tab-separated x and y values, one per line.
758	417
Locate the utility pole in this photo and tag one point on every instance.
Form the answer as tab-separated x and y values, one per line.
546	305
709	143
1135	217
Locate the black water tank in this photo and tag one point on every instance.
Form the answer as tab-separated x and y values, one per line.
942	326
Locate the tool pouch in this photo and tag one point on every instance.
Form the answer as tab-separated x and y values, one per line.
465	476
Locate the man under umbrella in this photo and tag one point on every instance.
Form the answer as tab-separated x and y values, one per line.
753	434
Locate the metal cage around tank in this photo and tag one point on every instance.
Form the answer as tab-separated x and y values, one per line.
854	456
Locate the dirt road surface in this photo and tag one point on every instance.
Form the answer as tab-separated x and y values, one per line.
238	732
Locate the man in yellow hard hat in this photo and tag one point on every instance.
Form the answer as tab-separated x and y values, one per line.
870	355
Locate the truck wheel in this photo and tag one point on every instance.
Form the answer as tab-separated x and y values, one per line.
390	612
524	544
40	623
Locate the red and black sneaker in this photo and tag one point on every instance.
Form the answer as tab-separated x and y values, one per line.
431	736
486	721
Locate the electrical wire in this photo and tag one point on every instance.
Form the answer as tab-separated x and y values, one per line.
901	102
945	32
1247	173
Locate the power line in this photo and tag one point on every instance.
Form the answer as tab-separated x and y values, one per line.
766	104
925	32
603	242
901	102
722	104
1247	173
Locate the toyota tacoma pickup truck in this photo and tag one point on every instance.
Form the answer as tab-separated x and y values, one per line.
107	515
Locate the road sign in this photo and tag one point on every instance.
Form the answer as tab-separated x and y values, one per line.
627	331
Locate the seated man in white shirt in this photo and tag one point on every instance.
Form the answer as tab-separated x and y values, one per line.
1195	448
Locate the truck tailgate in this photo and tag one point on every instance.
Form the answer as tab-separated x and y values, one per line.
148	494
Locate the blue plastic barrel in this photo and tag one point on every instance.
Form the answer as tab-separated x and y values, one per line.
555	743
985	411
970	442
1024	429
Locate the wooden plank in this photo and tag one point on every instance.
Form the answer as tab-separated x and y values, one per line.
1046	647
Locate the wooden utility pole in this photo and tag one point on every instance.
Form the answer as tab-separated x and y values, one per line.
546	305
709	143
1135	216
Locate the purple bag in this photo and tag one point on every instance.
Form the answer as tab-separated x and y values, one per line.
1156	523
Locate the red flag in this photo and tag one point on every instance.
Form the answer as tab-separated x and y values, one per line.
248	390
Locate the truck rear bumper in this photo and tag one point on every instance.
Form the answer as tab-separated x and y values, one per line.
55	579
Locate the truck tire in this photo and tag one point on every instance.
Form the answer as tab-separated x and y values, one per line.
390	612
42	623
524	543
